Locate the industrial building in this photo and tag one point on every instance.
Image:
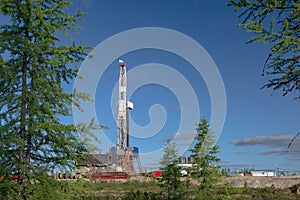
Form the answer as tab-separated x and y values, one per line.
263	172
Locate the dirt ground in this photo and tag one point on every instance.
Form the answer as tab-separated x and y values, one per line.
278	182
281	182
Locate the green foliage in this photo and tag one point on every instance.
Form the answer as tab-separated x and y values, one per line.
171	173
246	187
7	189
171	182
170	155
150	191
33	103
147	195
275	22
204	169
46	187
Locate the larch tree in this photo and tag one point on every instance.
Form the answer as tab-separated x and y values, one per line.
205	169
276	23
170	155
171	172
34	63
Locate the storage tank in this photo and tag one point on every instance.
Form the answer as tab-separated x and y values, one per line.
182	160
191	159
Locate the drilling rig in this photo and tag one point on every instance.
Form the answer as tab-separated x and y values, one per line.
125	154
118	163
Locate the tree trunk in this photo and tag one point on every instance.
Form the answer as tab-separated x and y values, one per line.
21	175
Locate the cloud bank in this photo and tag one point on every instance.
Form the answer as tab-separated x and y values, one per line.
278	144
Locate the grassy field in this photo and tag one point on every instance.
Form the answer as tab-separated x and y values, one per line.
153	191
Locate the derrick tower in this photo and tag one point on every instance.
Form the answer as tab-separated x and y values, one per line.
125	153
122	141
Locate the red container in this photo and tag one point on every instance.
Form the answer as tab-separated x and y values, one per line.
157	174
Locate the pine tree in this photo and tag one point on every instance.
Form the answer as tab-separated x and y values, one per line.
34	139
204	167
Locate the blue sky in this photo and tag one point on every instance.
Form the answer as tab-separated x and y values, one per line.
259	123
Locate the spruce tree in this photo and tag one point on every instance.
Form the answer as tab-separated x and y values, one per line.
35	64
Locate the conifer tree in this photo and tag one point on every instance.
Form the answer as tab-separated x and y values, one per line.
170	155
276	23
171	173
204	153
35	64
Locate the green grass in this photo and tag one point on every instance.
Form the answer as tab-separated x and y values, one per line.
152	191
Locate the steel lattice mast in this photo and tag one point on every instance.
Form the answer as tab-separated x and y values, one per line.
125	153
122	121
121	118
